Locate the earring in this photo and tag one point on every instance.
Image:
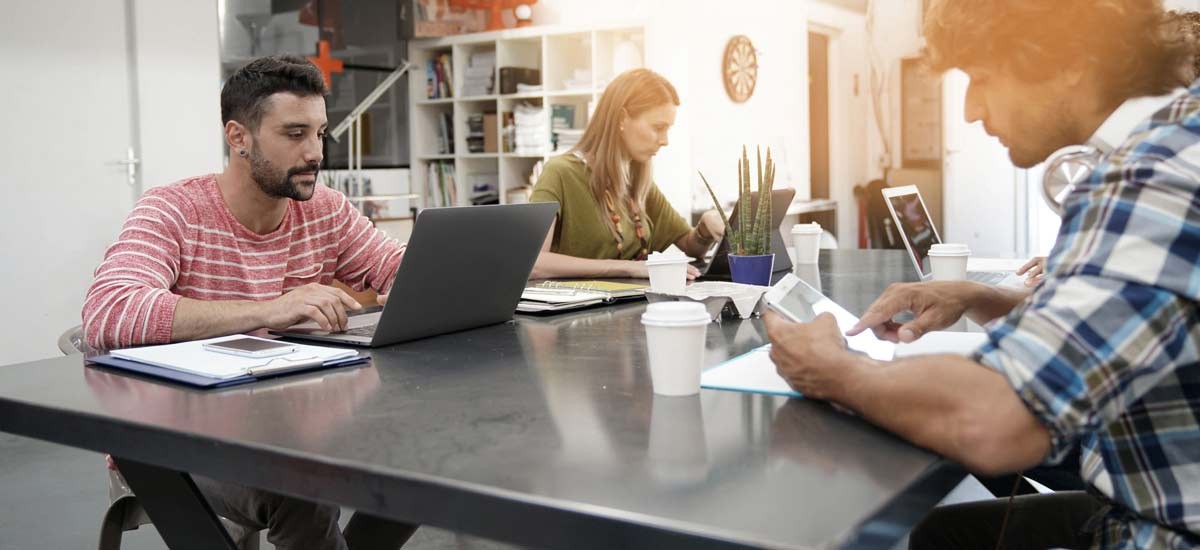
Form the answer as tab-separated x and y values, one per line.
242	153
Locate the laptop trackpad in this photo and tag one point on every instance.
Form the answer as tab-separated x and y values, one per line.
352	322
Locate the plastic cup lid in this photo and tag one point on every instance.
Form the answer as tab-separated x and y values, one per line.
948	249
676	314
659	258
805	228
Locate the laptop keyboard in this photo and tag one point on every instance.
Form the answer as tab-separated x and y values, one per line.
368	330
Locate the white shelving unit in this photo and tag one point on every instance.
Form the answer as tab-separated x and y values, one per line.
557	52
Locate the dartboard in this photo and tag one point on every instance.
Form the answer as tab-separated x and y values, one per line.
739	68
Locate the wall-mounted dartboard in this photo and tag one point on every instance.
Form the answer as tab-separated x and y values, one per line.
739	68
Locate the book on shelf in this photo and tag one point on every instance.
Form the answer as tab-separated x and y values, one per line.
439	77
440	188
445	141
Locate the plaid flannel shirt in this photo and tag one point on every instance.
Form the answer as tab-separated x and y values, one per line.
1105	351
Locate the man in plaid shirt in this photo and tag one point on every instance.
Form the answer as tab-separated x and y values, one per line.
1103	355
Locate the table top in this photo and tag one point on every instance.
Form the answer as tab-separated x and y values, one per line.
540	431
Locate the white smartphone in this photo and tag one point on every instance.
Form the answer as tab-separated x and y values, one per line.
795	299
249	346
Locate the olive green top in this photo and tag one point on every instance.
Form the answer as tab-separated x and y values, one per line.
581	232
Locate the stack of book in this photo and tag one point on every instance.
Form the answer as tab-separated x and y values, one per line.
438	77
562	122
480	76
529	130
475	133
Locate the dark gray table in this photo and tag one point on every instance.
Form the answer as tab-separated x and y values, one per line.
541	431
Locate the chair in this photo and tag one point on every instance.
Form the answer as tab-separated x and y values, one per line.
876	228
124	512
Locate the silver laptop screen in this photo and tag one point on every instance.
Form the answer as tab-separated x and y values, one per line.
915	227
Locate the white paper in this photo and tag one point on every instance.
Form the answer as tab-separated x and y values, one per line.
192	357
754	372
994	264
751	372
958	343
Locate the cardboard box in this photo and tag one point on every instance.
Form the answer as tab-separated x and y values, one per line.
511	76
491	134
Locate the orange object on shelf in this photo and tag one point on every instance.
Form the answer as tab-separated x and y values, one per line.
496	9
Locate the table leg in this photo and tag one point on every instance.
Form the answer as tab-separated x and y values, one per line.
179	512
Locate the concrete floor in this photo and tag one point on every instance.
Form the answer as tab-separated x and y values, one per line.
52	497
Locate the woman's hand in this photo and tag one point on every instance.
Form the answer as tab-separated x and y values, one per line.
711	226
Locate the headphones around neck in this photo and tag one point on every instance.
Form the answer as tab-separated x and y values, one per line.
1065	169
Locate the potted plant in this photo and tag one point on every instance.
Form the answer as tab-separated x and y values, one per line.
750	259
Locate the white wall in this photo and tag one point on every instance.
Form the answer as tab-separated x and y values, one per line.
64	195
179	89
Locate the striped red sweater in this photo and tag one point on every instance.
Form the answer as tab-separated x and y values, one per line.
181	240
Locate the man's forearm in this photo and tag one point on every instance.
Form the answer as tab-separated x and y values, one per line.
195	319
970	415
989	302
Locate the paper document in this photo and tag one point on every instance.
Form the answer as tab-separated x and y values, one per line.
755	373
958	343
994	264
192	357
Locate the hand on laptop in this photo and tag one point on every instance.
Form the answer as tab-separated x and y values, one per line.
324	305
1034	271
935	305
712	224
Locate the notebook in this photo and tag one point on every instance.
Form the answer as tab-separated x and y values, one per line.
190	363
555	296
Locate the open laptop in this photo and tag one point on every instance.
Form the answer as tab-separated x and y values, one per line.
919	235
465	267
718	267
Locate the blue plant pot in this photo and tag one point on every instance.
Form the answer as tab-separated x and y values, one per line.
752	270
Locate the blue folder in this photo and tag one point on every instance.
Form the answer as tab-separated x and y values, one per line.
207	382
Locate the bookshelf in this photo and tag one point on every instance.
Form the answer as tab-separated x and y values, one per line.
573	65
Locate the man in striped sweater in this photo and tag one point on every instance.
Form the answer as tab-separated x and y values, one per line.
256	246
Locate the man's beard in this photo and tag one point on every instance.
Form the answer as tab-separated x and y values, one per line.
278	183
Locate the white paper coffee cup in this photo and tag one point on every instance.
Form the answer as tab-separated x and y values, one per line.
668	273
948	261
675	334
806	238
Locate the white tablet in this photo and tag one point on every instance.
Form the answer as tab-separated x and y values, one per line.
796	300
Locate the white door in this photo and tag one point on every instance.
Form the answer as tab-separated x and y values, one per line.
67	127
982	189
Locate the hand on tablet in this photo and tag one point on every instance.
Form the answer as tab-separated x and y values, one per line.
936	305
812	357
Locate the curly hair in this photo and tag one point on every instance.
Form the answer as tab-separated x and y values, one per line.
246	92
1185	25
1128	43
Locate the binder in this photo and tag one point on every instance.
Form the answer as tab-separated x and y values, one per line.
187	363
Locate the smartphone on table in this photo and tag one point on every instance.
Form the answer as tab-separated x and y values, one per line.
249	346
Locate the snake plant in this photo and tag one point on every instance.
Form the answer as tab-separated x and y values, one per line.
752	234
